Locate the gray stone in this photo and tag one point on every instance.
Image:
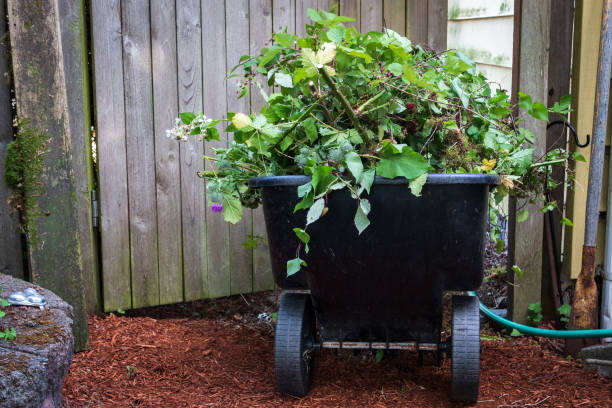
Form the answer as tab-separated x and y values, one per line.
598	358
33	366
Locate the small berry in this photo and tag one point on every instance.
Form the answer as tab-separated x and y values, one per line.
305	151
215	197
347	147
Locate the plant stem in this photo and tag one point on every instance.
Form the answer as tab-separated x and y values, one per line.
558	161
342	99
297	122
369	101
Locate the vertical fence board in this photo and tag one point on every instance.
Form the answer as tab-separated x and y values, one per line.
260	17
351	8
437	20
11	261
284	15
215	106
73	29
395	15
112	166
416	21
167	154
301	15
371	15
140	145
237	42
189	50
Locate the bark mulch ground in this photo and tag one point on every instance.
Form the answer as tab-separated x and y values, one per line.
218	353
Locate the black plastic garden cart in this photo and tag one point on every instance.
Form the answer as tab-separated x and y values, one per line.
383	289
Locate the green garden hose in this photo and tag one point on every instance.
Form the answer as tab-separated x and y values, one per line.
534	331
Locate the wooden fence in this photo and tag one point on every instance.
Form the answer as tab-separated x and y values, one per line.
159	241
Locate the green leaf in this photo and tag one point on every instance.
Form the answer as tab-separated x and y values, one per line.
522	216
294	265
361	216
354	164
302	235
315	211
321	178
284	80
250	244
283	38
269	56
457	62
306	202
187	117
565	309
525	101
518	271
516	333
380	354
232	209
539	111
499	245
408	164
211	134
304	189
367	179
336	34
314	15
311	129
567	222
577	156
395	68
287	141
302	73
409	74
416	184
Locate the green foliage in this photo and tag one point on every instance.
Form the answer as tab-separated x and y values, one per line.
534	313
348	106
516	333
565	311
131	371
380	354
23	170
7	334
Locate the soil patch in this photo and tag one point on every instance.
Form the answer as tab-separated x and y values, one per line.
218	353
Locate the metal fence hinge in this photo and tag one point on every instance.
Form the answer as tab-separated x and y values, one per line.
94	208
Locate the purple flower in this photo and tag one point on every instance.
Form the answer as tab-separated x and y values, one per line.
217	207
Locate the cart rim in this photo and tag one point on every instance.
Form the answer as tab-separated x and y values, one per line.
446	178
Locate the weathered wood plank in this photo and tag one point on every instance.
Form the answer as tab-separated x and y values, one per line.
437	19
259	33
112	166
11	261
237	31
167	152
140	145
533	80
40	91
214	68
395	15
284	15
74	44
301	16
559	71
417	21
351	8
189	50
371	15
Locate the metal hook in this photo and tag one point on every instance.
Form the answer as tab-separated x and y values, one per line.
573	130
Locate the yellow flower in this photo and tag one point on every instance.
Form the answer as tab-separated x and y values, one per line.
488	164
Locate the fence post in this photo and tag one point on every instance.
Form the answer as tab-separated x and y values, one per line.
530	77
11	256
45	90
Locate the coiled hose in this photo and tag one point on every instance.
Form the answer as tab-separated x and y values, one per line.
534	331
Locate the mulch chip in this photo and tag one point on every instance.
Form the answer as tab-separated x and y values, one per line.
217	353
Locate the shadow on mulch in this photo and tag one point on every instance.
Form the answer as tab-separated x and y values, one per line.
218	353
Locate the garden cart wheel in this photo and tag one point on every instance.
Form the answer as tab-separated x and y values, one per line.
465	349
294	344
